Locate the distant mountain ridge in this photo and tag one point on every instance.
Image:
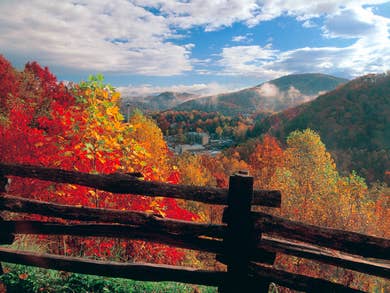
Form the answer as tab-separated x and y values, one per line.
352	120
159	102
272	96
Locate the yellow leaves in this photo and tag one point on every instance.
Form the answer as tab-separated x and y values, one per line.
106	140
115	97
144	141
155	206
315	193
105	93
112	111
88	92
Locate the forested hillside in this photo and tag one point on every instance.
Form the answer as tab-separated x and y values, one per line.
272	96
158	102
353	121
79	127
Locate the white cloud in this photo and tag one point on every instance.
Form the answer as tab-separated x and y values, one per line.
368	53
250	60
360	58
271	91
212	15
201	89
238	38
308	24
247	38
268	90
92	35
355	23
126	36
302	9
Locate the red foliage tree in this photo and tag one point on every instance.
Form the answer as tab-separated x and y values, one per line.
79	127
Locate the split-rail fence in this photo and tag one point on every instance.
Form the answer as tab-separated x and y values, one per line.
246	243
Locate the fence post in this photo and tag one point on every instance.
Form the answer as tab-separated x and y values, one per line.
239	240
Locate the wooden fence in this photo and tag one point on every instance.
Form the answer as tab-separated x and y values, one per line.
247	243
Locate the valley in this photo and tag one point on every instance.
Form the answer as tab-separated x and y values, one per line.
351	116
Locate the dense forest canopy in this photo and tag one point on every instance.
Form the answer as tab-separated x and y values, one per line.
79	127
353	120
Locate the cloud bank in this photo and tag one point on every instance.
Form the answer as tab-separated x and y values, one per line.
201	89
148	37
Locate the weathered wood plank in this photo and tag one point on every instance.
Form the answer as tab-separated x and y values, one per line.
181	240
296	281
239	241
127	184
151	221
304	250
349	242
136	271
256	255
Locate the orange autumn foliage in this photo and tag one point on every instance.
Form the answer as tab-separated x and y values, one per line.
79	127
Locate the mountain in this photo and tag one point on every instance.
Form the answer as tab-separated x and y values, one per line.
160	102
352	120
272	96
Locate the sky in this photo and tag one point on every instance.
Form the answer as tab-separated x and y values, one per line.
197	46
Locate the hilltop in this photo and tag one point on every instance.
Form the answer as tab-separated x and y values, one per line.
352	120
159	102
272	96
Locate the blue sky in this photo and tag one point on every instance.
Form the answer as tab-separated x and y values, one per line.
198	46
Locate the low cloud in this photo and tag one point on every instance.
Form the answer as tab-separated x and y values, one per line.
201	89
268	90
292	95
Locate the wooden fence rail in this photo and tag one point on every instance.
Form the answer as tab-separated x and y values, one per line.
297	281
146	220
130	184
182	240
247	243
137	271
350	242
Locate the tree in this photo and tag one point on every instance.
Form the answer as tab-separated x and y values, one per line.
315	193
264	160
307	179
192	171
8	85
144	138
79	127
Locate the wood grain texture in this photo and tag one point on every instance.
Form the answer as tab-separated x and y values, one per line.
128	184
136	271
349	242
150	222
296	281
380	268
182	240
